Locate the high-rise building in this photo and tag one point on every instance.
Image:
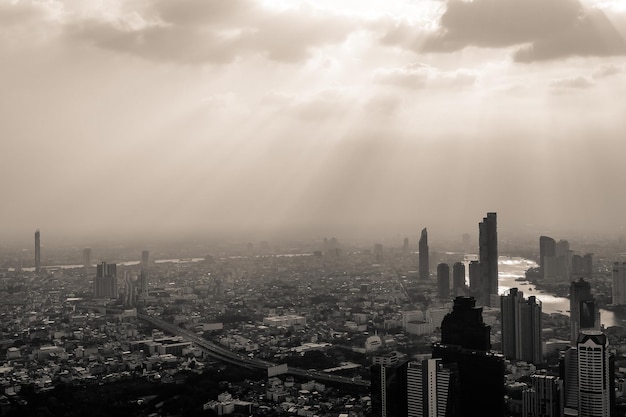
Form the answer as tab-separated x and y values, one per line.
37	251
475	279
594	376
129	289
488	257
105	282
583	311
405	245
443	281
143	284
465	343
388	389
378	252
145	258
430	389
521	327
588	264
458	279
86	257
547	247
619	283
424	267
568	372
543	397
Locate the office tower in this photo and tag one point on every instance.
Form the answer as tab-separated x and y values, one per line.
430	389
465	342
143	284
405	245
543	397
86	257
594	377
378	252
475	279
563	259
619	283
588	264
583	312
488	258
145	258
105	283
443	280
37	251
547	247
129	289
577	266
388	389
458	279
521	327
424	267
568	372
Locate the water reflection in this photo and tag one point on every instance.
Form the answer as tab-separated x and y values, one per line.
512	268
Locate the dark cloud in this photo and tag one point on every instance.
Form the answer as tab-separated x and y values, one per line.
547	29
198	32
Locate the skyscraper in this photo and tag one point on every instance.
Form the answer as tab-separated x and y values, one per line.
86	257
521	327
405	245
475	279
583	312
488	258
619	283
458	279
594	377
465	343
37	251
430	389
105	282
388	389
543	397
424	267
145	258
443	281
547	247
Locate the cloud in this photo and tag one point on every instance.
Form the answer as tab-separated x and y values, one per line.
546	29
571	83
212	32
416	76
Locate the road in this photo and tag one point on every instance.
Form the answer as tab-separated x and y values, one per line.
218	352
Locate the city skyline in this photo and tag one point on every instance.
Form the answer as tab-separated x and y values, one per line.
244	116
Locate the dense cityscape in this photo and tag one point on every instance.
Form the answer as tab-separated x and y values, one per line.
315	329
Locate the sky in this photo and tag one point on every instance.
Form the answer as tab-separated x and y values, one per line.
315	116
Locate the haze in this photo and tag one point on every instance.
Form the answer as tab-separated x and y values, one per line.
249	116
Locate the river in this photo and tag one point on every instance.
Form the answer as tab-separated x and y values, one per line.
510	268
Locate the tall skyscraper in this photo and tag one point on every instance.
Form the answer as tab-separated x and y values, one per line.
568	372
619	283
430	389
105	282
475	279
130	291
37	251
594	376
588	264
443	281
424	266
458	279
405	245
388	389
547	247
465	343
583	312
86	257
543	397
488	257
521	327
145	258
